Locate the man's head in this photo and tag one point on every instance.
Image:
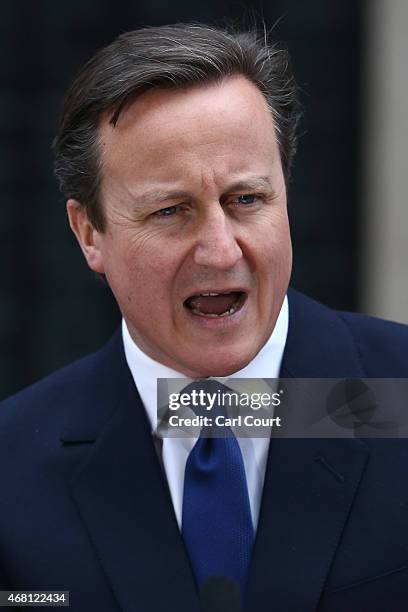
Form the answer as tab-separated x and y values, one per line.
174	152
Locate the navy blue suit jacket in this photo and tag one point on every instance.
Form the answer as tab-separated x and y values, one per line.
84	505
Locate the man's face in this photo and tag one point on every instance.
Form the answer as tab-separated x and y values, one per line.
195	202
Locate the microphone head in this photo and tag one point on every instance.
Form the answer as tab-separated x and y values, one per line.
220	594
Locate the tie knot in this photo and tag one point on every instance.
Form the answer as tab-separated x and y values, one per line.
202	408
207	397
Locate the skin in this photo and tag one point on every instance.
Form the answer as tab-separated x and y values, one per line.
195	201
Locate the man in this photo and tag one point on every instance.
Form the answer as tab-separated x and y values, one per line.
174	153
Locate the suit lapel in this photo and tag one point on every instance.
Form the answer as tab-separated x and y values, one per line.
309	489
122	498
309	484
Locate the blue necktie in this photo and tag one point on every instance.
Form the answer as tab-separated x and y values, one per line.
216	520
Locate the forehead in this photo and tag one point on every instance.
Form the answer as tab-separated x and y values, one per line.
221	126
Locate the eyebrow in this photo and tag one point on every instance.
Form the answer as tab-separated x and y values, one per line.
161	195
252	182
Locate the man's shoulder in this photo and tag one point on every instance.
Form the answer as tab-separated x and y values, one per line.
374	327
57	384
380	346
61	392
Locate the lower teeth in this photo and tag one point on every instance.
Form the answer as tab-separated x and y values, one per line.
223	314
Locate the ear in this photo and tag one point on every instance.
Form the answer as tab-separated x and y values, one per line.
88	237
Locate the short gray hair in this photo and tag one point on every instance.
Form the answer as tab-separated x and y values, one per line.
173	56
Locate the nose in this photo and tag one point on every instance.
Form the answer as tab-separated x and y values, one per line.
216	245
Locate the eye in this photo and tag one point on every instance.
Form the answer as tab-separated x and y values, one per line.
247	198
169	211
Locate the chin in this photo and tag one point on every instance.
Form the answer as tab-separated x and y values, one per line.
222	367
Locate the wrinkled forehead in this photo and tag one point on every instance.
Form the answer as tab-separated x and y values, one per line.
194	115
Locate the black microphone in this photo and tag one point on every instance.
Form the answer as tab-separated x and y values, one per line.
220	594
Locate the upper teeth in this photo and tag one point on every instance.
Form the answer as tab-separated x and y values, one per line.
212	293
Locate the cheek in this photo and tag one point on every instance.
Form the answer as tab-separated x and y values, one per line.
273	247
142	275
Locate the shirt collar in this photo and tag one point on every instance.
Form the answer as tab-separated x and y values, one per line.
146	371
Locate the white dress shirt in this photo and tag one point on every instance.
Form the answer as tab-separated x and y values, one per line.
266	364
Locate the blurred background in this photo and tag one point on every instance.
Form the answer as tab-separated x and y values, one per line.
347	199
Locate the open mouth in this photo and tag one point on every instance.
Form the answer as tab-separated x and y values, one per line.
214	304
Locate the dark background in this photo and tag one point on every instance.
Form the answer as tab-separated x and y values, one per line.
53	310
